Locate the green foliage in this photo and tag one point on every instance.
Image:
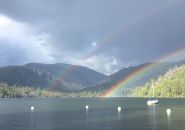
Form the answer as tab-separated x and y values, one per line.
14	91
58	77
171	84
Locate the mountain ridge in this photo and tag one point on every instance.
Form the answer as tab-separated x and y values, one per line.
171	84
160	69
52	76
66	77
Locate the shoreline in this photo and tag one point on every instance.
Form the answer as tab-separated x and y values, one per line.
96	97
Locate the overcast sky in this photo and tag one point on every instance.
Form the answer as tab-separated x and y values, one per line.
105	35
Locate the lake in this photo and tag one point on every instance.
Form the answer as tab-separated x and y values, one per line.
70	114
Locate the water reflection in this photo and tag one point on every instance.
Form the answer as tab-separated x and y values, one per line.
119	115
87	115
31	120
152	116
135	116
169	121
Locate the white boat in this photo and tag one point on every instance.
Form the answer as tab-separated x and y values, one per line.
152	101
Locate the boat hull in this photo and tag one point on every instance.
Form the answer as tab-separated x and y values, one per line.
152	102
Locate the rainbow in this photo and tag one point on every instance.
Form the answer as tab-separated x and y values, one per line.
128	24
114	89
174	56
120	29
69	69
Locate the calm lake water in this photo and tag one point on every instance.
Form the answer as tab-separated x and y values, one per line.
70	114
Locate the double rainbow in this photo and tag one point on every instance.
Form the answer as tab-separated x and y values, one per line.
114	89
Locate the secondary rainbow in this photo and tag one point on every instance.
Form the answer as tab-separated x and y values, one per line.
125	26
177	55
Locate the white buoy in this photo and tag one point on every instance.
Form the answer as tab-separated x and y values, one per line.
168	111
87	107
32	108
119	109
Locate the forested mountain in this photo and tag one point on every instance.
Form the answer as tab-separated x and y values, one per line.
15	91
171	84
65	77
51	76
159	69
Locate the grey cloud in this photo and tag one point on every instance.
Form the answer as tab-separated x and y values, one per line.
11	55
130	31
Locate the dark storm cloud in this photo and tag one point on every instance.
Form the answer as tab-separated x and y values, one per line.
11	58
127	32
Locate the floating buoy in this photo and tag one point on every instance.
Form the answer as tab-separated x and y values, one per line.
168	111
86	107
119	109
32	108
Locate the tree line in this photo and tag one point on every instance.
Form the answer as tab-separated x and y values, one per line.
17	91
171	84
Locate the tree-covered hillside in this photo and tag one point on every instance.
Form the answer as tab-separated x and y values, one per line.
171	84
15	91
160	69
57	77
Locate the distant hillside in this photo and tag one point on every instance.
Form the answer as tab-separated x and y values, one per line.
7	91
161	69
171	84
52	76
65	77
